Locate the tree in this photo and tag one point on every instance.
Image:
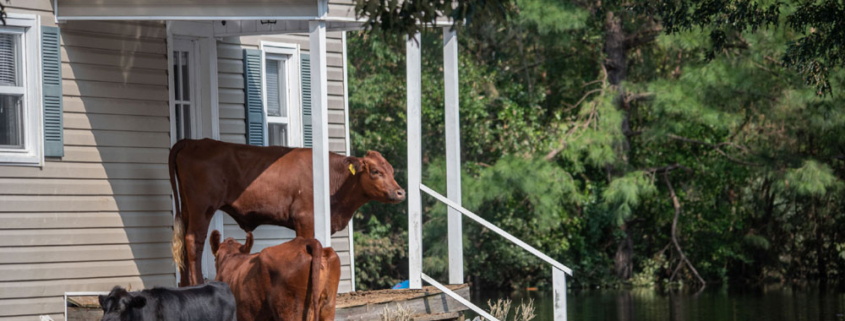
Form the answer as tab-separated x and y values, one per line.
621	146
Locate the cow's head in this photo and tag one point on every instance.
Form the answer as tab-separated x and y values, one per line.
228	246
120	305
377	178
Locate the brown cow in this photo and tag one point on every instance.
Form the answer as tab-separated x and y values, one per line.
264	185
296	280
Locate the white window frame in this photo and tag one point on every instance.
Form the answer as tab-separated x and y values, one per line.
32	153
294	90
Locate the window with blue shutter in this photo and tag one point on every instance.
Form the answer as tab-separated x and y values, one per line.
252	93
22	113
51	66
305	70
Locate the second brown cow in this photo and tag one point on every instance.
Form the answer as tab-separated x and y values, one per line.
263	185
296	280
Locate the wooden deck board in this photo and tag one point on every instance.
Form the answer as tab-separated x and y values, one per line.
427	304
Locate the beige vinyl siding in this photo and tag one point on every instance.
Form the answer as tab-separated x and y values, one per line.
233	127
342	9
101	215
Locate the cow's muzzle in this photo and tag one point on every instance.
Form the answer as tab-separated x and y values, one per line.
397	196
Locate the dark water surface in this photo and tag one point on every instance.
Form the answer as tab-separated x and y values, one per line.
712	304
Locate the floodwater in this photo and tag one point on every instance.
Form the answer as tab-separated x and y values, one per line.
712	304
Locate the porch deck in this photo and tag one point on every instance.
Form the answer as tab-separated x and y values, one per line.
426	304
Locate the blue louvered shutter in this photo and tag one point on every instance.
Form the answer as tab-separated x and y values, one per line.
305	70
252	92
51	65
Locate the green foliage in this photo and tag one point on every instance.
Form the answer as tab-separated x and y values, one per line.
814	54
626	193
812	179
551	16
567	161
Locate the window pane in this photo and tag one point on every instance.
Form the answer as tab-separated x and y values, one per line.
9	56
11	121
273	104
176	71
283	87
186	121
179	134
185	77
278	134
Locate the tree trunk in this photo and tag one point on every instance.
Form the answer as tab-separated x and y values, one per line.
623	261
616	64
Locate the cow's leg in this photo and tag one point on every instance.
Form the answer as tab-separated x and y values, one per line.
195	236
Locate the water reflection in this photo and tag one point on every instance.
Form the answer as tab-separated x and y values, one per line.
722	303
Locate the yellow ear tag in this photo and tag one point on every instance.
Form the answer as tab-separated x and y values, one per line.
352	169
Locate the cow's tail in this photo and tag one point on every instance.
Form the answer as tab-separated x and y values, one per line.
178	242
316	250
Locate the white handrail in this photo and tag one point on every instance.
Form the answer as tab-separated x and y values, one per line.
457	297
496	229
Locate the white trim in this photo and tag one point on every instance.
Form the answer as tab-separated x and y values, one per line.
29	27
413	54
319	117
350	230
559	294
206	108
172	109
294	92
453	154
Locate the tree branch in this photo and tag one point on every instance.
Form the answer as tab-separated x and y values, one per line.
677	205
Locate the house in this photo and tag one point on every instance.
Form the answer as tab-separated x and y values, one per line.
89	108
94	93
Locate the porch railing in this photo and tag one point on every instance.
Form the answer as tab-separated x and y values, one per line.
559	270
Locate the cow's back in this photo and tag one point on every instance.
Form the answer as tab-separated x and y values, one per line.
288	270
200	161
211	302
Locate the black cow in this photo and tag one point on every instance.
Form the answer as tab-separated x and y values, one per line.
207	302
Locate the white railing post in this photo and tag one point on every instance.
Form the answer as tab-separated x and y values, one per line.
559	295
319	119
453	155
414	84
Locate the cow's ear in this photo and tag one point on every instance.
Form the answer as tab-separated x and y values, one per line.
102	299
137	302
214	241
247	247
355	165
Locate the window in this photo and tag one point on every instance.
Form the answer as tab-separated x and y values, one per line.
182	97
281	93
20	113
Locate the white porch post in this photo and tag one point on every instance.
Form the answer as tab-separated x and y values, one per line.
559	295
414	83
453	154
319	120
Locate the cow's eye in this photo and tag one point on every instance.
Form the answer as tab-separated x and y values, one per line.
375	172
